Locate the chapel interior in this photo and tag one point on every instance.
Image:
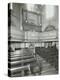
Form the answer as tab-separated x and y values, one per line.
32	39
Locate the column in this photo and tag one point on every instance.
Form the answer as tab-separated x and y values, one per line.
21	27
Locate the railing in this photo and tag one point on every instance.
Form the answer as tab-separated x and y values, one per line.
32	36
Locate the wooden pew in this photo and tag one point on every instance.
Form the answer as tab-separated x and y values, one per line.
22	61
50	54
20	58
18	71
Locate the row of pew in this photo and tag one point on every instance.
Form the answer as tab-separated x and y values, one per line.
50	54
22	63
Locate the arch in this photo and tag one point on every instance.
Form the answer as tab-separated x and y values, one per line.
50	28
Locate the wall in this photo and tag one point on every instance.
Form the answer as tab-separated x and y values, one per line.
15	19
17	23
50	16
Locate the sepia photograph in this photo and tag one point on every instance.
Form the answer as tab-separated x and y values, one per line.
33	42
